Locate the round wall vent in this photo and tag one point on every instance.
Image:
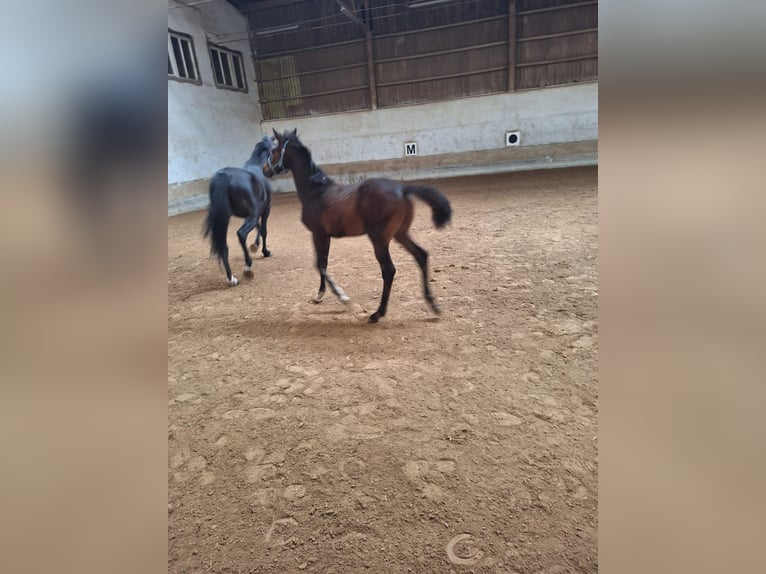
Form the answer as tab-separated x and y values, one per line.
513	138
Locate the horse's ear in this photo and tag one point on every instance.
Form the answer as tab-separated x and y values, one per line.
276	135
295	132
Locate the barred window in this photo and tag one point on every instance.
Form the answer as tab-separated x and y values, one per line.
228	68
182	62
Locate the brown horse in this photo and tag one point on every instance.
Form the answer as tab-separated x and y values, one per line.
381	208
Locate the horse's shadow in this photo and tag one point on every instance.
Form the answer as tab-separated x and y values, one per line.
314	324
204	285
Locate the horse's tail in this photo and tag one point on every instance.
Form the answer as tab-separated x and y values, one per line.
442	211
218	214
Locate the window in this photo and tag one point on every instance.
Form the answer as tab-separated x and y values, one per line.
228	68
182	63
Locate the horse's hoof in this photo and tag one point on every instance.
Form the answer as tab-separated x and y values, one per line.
344	298
374	317
266	253
437	308
233	281
254	247
318	298
248	270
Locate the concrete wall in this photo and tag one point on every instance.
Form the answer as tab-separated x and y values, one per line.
559	128
208	127
547	116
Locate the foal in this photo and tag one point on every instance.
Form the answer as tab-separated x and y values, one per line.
381	208
243	192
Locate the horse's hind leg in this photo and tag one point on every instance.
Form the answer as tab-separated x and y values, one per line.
242	233
388	271
225	260
255	244
322	248
421	256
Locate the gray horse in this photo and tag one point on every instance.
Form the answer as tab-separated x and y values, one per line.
244	192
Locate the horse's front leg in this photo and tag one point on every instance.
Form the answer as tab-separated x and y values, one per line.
262	232
322	248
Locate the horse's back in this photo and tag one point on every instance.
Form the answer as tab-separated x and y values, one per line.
383	186
247	193
379	195
233	177
383	205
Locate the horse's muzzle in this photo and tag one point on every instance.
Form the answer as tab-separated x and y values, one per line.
273	170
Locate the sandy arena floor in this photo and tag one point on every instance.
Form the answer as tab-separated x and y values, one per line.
302	439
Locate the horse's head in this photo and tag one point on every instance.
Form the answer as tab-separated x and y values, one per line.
279	160
260	153
263	148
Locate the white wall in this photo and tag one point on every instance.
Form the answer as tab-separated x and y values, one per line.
546	116
210	128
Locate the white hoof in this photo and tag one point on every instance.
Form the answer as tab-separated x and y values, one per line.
318	297
233	281
248	268
341	295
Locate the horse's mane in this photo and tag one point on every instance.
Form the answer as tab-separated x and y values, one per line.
316	175
258	157
319	177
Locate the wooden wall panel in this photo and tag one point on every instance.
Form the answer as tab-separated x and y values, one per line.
556	46
444	89
314	105
430	53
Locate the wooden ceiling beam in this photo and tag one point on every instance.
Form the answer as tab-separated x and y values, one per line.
350	13
252	7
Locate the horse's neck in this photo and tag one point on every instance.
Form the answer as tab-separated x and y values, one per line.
253	168
255	162
302	171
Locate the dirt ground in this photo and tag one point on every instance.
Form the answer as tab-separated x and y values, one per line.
302	439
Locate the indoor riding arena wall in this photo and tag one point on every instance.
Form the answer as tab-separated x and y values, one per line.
558	128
